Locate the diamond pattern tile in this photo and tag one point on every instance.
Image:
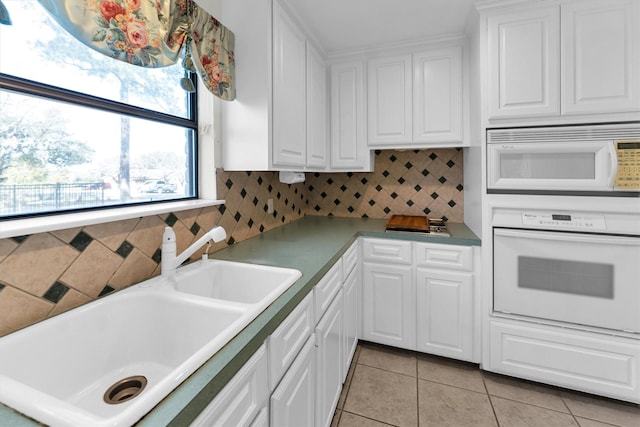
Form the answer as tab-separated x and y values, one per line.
95	260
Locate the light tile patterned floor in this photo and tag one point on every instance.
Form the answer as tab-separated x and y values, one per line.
387	386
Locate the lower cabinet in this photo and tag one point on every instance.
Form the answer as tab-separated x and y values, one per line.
417	296
293	401
388	305
307	380
445	318
592	362
329	362
350	318
262	419
243	399
420	296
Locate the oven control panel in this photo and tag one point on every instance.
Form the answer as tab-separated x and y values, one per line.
564	221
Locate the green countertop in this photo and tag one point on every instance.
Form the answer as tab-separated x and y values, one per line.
312	245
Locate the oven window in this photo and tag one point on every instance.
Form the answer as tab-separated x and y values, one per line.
569	277
548	165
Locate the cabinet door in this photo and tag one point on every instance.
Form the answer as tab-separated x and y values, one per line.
437	96
317	130
445	313
349	149
289	86
287	340
389	100
240	401
524	63
329	362
293	401
601	56
351	316
388	305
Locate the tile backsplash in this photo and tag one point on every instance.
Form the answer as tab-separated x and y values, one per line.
45	274
412	182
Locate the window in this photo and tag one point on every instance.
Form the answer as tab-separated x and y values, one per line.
80	130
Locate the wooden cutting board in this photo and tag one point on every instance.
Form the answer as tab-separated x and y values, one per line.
408	223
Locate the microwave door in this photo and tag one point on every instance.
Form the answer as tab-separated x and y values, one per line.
551	166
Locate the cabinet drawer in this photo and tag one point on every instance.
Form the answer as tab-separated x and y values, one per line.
449	257
349	260
286	341
326	289
242	398
386	250
594	363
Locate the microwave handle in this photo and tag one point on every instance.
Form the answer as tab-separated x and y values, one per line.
613	163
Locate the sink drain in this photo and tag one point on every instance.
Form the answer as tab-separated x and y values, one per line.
125	390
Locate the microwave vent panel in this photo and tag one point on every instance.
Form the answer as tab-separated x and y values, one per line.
564	134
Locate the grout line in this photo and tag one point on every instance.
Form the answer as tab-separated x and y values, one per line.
417	393
368	418
490	399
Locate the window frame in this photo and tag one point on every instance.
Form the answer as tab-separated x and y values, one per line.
200	121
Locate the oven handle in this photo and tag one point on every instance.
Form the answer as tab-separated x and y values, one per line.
568	237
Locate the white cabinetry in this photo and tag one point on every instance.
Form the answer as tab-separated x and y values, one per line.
351	305
601	56
389	100
416	100
307	383
317	108
289	88
329	362
524	63
293	402
420	296
388	293
278	120
445	314
349	149
592	362
243	399
286	341
570	59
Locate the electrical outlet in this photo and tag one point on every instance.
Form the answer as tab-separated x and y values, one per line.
270	206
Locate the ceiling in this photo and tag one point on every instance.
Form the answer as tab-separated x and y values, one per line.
340	25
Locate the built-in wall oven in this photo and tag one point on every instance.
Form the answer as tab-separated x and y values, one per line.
586	159
575	267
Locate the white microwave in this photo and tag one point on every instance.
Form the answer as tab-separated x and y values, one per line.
565	159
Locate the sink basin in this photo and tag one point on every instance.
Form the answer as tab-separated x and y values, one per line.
236	281
80	367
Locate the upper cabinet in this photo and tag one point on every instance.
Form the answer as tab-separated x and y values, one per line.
279	118
601	56
415	100
349	149
567	59
524	63
390	102
289	90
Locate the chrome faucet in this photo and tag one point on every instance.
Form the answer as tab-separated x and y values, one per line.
171	261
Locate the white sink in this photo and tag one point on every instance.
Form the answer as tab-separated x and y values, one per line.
59	370
236	281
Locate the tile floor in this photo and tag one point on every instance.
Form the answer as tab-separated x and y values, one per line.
387	386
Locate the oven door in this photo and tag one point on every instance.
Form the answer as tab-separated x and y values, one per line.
585	279
551	166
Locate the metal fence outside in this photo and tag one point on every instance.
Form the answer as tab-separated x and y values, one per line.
33	198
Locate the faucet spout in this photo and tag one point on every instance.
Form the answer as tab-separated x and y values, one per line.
171	261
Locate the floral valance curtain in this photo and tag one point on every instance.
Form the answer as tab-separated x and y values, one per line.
154	33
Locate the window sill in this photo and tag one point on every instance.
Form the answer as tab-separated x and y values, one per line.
21	227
